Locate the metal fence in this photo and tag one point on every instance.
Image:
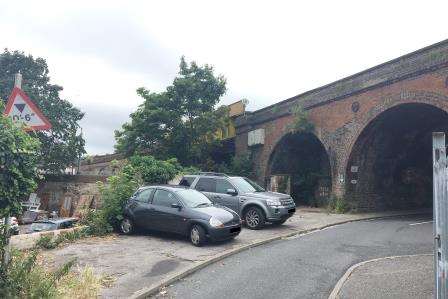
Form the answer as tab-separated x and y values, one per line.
440	178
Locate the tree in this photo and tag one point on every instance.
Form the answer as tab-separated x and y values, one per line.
241	165
18	174
18	165
62	145
180	121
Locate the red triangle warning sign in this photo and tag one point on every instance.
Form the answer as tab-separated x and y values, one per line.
21	109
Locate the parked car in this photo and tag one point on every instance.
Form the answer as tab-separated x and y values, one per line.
14	227
179	210
52	224
255	205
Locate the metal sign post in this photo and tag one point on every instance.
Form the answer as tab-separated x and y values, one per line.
440	194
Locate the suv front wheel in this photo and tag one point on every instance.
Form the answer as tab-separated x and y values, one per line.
254	218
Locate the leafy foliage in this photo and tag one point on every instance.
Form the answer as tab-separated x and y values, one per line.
301	122
62	145
153	171
21	277
96	223
18	174
137	171
46	242
27	279
338	205
50	242
18	170
180	121
241	165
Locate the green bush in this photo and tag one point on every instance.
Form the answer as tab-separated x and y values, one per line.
338	205
96	223
25	278
72	235
153	171
47	242
139	170
241	165
50	242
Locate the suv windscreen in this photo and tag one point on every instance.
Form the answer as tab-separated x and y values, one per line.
245	185
193	198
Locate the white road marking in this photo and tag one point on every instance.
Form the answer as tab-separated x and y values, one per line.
411	224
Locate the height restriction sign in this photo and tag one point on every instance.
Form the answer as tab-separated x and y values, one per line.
21	109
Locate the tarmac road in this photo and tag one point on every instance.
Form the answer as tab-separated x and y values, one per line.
306	266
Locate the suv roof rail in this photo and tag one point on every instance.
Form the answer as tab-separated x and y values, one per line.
212	173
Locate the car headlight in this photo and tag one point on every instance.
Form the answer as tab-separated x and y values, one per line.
273	203
215	222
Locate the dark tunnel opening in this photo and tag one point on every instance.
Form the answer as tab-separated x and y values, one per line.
303	161
390	166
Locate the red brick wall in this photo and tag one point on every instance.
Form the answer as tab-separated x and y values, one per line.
338	127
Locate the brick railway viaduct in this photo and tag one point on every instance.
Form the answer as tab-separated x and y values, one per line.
371	144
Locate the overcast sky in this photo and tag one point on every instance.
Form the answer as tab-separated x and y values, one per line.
102	51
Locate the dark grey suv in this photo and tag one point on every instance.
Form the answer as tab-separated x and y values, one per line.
255	205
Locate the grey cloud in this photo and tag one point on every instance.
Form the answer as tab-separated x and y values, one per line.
111	36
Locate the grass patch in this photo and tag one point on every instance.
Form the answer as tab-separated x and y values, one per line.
338	205
82	284
23	277
46	242
50	242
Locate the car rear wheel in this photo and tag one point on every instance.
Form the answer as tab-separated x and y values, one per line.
197	235
254	218
126	226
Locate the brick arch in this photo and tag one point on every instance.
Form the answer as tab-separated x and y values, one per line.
411	97
320	137
393	152
304	153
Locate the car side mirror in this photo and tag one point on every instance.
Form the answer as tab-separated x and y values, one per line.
176	206
231	192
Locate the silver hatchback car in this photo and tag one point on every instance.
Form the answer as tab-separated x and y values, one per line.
255	205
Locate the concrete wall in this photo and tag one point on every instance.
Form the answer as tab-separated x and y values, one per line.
28	241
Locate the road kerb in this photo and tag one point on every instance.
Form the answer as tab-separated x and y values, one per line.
155	288
337	288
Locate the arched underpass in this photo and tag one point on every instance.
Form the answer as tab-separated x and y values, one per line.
390	166
302	158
